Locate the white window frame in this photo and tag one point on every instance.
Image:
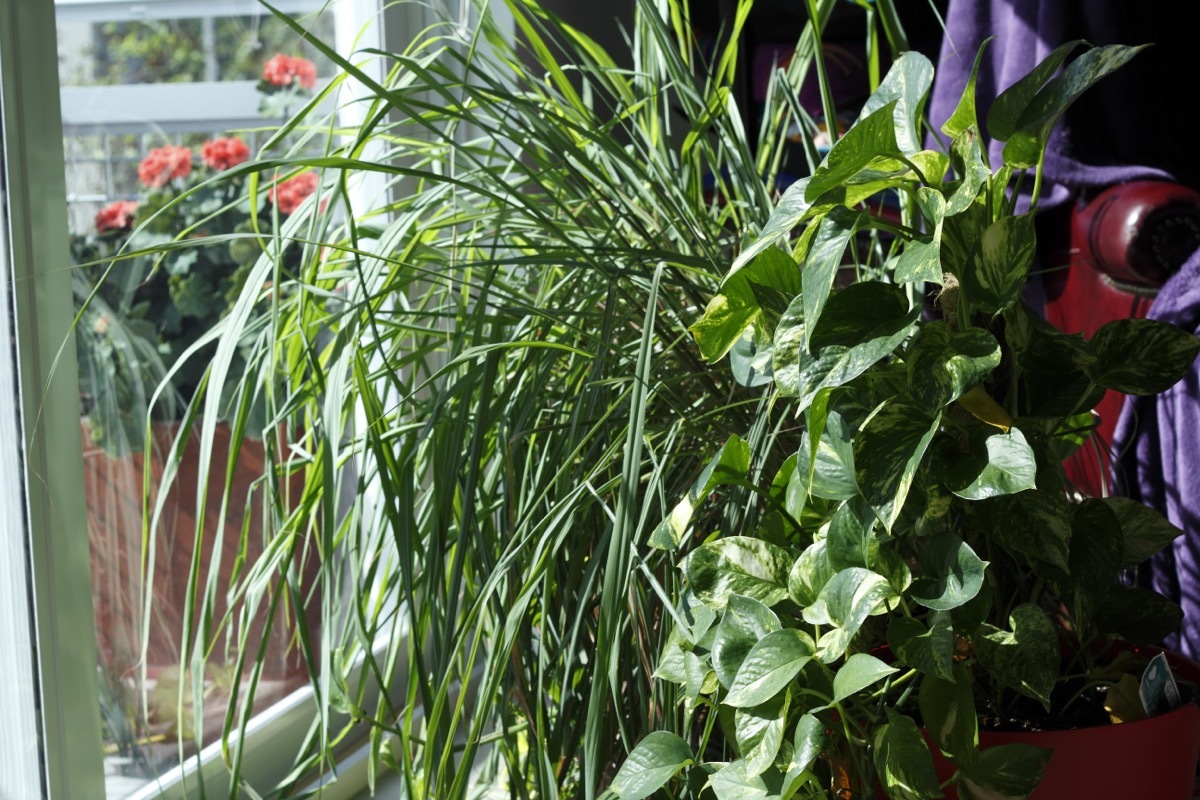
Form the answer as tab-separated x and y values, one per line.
68	704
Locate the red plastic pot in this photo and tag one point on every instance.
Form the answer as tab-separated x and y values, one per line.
1150	758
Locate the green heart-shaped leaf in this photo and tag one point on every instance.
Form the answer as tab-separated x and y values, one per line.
1006	466
1144	531
1004	771
929	650
655	760
888	452
729	465
964	116
860	671
869	138
948	710
739	565
769	667
1025	660
951	573
903	760
759	732
943	364
1141	356
999	268
1095	558
1004	116
744	622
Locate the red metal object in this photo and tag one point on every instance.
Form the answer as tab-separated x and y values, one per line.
1119	249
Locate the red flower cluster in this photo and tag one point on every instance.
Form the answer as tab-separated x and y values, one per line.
164	163
291	193
116	216
225	152
282	70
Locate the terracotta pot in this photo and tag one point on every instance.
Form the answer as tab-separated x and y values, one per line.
114	497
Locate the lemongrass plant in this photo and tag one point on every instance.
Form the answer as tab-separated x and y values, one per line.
482	395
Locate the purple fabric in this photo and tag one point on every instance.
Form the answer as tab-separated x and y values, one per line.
1159	462
1025	31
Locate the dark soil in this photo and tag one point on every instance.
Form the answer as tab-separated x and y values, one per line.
1022	714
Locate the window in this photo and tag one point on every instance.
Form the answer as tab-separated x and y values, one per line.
50	694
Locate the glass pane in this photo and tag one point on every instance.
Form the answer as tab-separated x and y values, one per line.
217	48
142	316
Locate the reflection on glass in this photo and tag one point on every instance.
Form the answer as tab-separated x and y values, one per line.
129	188
183	50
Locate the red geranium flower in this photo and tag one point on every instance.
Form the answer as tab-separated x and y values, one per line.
225	152
164	163
288	195
116	216
283	70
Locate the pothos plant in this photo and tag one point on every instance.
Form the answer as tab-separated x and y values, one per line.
916	560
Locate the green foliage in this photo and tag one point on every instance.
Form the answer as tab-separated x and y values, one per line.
144	306
478	392
939	567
